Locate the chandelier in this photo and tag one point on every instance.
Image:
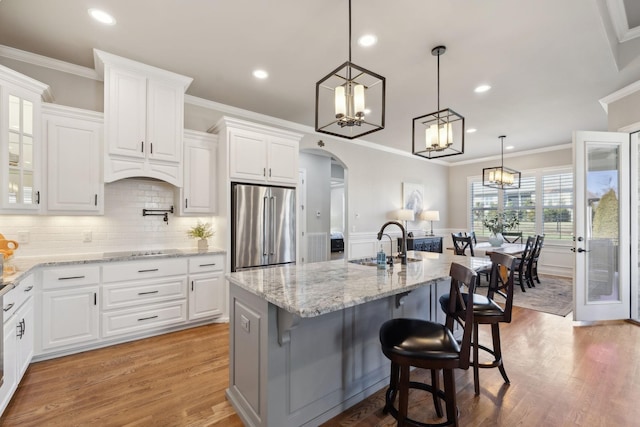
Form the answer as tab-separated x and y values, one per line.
350	100
438	134
501	177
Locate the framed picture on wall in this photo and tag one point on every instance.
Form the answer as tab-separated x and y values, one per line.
413	197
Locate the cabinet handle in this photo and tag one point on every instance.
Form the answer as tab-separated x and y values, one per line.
70	277
151	145
7	308
186	203
264	171
192	286
207	265
28	289
269	172
24	328
37	197
147	271
147	293
95	200
147	318
95	298
142	146
19	331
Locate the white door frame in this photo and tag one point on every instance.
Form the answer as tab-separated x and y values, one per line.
619	308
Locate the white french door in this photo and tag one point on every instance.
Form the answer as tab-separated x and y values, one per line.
602	226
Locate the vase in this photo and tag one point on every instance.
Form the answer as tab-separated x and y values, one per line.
496	240
203	245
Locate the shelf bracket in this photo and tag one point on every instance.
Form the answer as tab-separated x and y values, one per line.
286	322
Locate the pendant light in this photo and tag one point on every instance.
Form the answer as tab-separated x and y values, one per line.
439	134
350	100
501	177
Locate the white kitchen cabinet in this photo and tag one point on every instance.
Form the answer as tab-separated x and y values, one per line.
19	331
260	153
70	312
20	142
143	295
199	192
74	160
206	287
144	119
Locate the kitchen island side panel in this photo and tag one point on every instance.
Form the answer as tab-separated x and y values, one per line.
329	363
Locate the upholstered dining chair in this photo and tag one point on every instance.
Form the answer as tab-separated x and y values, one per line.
486	311
428	345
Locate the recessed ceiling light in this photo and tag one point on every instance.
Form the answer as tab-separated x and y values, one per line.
482	88
509	147
102	17
367	40
260	74
471	130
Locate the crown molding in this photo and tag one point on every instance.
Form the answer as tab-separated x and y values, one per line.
619	94
518	154
44	61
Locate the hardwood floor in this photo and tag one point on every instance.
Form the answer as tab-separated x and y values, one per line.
561	375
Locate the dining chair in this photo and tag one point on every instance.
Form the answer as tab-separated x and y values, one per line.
532	268
522	263
512	236
461	243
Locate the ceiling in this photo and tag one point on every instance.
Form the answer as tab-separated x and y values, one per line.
548	62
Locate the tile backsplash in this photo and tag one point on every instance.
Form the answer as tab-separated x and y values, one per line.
121	228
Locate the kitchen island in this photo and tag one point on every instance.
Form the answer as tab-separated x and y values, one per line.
303	340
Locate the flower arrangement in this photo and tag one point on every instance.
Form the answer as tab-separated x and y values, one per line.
201	231
500	222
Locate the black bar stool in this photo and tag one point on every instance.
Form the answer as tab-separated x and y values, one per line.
429	345
488	312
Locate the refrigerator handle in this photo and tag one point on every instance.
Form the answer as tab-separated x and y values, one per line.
272	233
264	225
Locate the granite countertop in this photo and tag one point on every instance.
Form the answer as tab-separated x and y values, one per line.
25	265
314	289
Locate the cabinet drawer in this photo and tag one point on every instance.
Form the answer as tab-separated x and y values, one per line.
200	264
140	319
136	270
55	278
120	295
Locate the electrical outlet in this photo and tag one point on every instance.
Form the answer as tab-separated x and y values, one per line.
245	323
87	236
23	237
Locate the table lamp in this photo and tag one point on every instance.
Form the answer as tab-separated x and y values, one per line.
405	215
430	216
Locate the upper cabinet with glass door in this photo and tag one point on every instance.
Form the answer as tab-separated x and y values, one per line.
20	141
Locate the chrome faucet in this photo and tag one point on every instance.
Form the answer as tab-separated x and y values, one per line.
403	253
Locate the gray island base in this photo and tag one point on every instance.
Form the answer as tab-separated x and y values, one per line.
303	340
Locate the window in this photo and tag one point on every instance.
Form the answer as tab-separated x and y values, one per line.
557	203
484	202
522	202
543	203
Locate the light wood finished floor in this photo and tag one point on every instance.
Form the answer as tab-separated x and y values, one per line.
561	375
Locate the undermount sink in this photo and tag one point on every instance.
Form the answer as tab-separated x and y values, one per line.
373	262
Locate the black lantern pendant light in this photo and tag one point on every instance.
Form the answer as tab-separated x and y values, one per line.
350	100
501	177
439	134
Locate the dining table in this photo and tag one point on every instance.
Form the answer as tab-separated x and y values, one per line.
485	248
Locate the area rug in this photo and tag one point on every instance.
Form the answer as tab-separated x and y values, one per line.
553	295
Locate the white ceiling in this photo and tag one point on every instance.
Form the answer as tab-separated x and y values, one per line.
548	61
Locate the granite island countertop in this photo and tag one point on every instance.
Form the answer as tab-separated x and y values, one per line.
310	290
26	265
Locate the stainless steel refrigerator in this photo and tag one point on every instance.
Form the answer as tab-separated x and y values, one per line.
263	226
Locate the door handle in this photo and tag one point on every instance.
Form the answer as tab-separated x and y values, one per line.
580	250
